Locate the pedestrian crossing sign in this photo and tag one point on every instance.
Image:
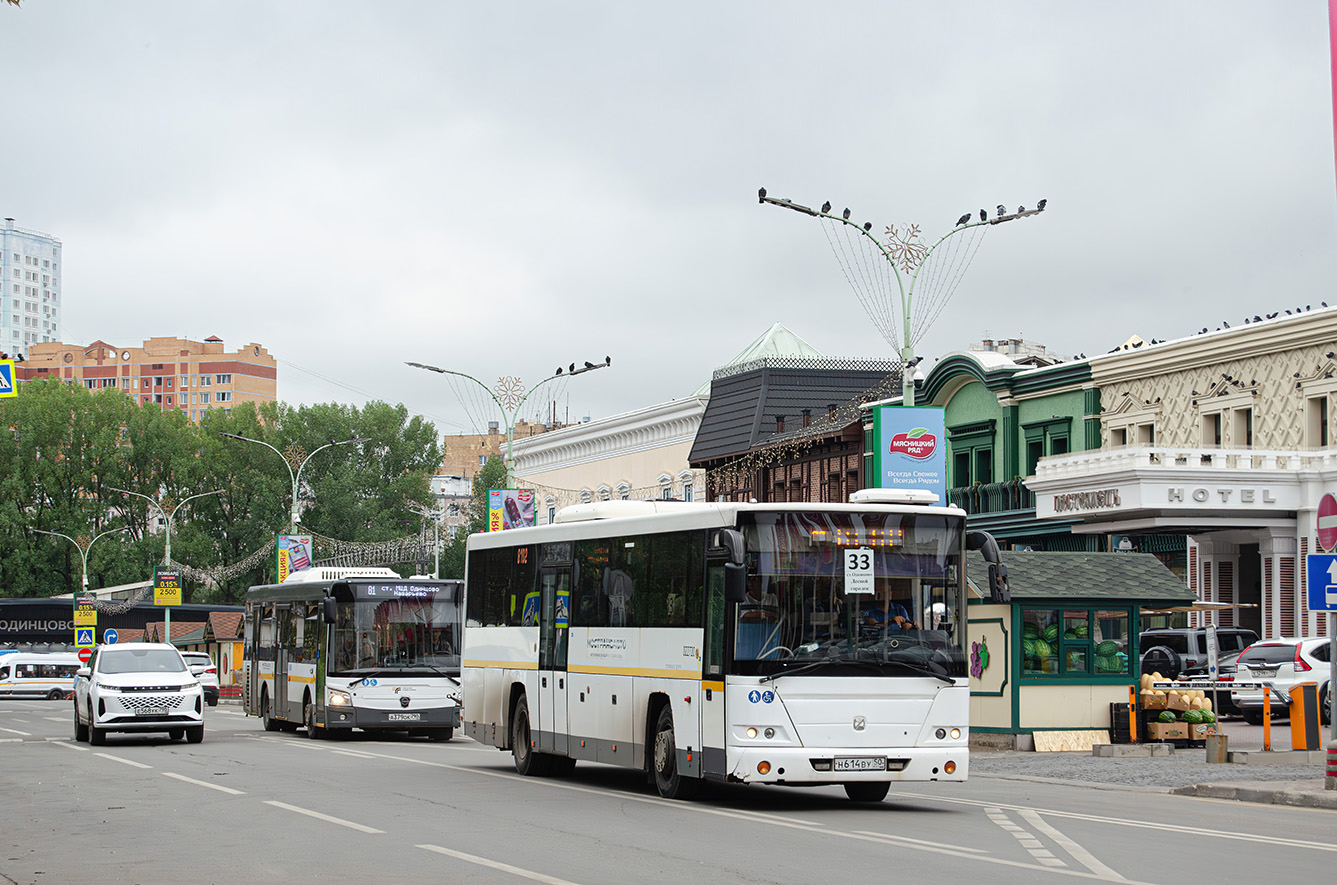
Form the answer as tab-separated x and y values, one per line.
7	386
83	637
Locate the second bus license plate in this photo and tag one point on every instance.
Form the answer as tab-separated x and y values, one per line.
403	717
860	763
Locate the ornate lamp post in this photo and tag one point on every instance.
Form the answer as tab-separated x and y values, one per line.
906	256
82	543
295	457
510	395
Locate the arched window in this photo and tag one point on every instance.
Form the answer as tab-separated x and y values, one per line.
687	480
550	507
624	491
665	487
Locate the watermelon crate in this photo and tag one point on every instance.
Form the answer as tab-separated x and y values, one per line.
1198	731
1168	731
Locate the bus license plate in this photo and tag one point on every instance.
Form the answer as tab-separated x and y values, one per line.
861	763
404	717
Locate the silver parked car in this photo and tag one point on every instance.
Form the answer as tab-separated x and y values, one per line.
204	669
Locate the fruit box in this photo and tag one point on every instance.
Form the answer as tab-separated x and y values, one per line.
1153	703
1168	731
1176	702
1199	730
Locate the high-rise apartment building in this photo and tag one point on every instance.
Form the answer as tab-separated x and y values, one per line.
30	273
171	373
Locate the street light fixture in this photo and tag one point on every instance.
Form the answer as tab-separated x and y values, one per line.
912	259
510	395
296	458
82	544
162	504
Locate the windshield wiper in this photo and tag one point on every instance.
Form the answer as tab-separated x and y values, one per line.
940	673
806	668
375	671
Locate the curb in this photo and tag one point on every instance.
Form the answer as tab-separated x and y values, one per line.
1267	796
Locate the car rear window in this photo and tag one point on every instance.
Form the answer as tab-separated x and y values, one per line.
1268	654
1176	642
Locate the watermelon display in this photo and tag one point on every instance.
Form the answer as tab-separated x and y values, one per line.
1080	630
1043	649
1193	716
1051	633
1108	664
1108	648
1030	631
1069	634
1028	647
1207	715
1167	716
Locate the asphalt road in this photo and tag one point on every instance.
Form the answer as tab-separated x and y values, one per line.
254	807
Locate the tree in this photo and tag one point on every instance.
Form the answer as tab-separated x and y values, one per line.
491	476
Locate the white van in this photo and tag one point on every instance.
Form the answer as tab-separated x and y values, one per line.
50	675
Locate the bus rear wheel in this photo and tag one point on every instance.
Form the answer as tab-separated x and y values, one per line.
267	713
528	763
670	783
867	791
309	717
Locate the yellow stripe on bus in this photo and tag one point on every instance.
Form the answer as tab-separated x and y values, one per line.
712	686
635	671
504	665
310	680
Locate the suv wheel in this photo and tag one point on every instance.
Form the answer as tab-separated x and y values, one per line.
1160	659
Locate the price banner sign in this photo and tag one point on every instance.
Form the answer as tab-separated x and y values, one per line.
166	586
85	614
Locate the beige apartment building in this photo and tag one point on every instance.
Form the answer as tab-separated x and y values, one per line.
464	454
172	373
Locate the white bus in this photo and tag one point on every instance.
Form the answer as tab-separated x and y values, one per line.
795	644
338	649
47	675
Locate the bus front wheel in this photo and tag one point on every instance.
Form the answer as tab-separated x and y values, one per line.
528	763
309	717
670	783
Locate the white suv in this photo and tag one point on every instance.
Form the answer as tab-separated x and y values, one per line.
138	686
203	668
1285	663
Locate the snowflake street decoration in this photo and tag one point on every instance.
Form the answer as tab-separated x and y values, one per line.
904	248
295	455
509	392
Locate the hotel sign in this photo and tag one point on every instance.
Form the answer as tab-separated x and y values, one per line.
1167	497
1097	500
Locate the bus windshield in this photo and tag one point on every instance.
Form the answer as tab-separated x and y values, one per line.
395	627
829	590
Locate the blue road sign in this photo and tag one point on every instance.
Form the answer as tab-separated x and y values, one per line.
83	636
1322	581
109	636
7	387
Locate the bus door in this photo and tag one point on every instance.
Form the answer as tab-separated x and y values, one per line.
714	656
282	624
555	589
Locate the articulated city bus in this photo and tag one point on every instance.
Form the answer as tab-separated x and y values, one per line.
791	644
338	649
38	675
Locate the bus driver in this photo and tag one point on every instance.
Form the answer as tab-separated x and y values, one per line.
882	610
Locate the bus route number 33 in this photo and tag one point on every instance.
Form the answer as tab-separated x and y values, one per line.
858	570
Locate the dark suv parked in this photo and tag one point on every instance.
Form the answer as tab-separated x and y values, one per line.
1182	651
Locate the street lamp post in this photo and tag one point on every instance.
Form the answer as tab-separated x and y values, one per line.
296	458
510	395
167	531
911	261
82	544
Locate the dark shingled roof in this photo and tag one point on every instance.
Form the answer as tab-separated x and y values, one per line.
743	405
1121	577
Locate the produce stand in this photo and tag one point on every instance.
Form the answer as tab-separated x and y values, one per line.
1166	708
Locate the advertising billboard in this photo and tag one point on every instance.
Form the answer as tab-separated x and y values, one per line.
293	553
910	449
509	509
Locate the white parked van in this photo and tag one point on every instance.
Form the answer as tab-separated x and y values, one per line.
36	675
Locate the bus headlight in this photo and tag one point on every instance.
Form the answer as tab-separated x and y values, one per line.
955	733
340	698
751	732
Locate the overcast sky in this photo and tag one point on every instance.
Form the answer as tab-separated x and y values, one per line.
500	189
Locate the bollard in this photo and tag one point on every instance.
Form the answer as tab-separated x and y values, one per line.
1304	717
1216	749
1330	782
1267	720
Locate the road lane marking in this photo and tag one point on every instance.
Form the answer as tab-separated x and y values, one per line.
67	745
1079	854
899	839
25	721
16	731
56	718
496	865
325	817
1140	824
11	740
1034	847
354	753
122	761
190	780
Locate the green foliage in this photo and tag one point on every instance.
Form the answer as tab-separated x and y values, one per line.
70	450
491	476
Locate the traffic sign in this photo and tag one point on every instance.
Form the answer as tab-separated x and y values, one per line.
1322	568
109	636
85	655
83	637
1327	522
7	385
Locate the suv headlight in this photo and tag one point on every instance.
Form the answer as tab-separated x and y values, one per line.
102	686
340	698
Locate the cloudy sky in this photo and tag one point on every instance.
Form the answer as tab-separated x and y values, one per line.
500	189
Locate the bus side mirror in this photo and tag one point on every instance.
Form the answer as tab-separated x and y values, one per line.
328	610
999	591
735	582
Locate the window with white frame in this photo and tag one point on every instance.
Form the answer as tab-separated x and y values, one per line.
605	493
665	487
1227	421
686	480
624	491
586	496
223	396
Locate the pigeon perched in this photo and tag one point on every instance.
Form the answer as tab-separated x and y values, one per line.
1021	209
984	216
1001	210
963	219
608	361
846	214
826	207
573	368
761	195
1040	206
868	225
559	371
588	364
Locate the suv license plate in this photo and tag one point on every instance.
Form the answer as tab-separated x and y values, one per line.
860	763
1264	674
403	717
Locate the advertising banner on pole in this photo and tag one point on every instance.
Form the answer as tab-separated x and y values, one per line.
910	449
166	585
293	553
509	509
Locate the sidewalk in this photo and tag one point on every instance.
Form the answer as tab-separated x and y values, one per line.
1278	779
